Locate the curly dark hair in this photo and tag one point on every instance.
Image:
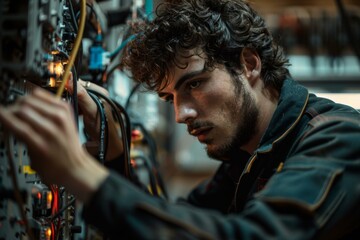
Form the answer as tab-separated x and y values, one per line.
219	28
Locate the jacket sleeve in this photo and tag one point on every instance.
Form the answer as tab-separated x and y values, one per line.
317	189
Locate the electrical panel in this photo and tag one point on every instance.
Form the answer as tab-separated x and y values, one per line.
37	40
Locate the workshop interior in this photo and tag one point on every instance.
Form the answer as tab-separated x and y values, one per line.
42	42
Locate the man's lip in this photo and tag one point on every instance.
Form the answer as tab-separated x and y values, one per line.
200	131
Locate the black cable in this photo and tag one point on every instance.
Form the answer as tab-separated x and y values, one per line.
124	137
127	120
122	112
103	128
153	153
148	138
92	12
152	180
73	18
62	209
349	31
150	141
75	97
79	59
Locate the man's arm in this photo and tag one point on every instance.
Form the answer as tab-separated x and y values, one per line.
314	196
46	125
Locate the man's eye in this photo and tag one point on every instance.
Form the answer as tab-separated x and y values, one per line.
167	100
194	84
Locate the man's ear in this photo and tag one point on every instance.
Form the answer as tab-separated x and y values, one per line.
252	64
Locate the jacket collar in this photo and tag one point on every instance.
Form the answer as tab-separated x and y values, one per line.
292	101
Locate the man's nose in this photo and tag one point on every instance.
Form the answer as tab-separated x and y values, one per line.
184	113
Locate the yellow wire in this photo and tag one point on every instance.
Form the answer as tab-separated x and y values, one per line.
75	49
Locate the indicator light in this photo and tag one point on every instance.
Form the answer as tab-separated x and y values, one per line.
49	198
136	135
38	195
48	233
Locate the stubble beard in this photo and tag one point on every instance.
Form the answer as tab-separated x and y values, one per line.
246	115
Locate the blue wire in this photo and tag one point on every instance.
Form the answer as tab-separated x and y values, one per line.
122	45
149	8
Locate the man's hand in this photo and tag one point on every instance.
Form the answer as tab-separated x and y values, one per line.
46	125
91	118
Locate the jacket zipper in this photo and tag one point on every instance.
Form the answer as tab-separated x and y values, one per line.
254	156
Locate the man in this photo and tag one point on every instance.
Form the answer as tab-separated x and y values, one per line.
291	161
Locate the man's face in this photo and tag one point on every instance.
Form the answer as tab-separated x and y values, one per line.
217	107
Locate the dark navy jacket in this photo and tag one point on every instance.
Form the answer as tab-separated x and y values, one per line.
302	182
